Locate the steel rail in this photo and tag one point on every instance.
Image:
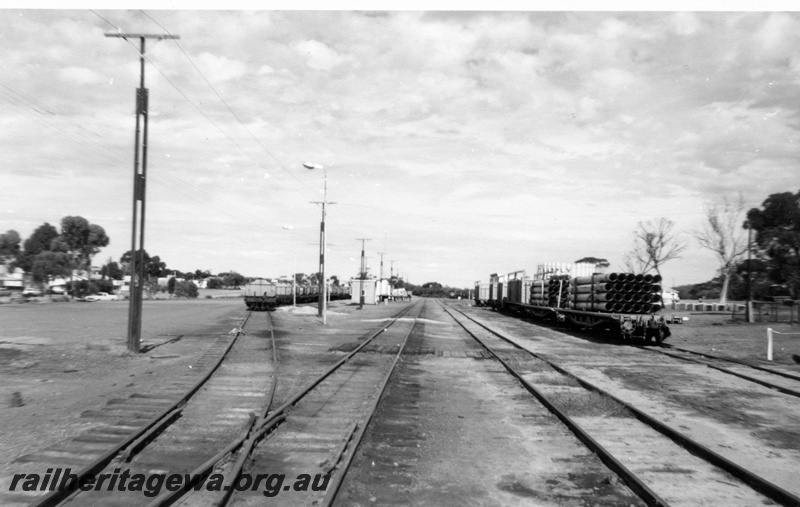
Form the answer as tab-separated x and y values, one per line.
287	405
781	389
249	444
55	497
733	360
244	442
257	429
629	478
361	429
758	483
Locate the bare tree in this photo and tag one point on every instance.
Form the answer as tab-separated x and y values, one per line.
722	233
654	243
635	261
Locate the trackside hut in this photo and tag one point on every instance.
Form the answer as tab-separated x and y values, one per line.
371	291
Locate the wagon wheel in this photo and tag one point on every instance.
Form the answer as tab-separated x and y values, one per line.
626	328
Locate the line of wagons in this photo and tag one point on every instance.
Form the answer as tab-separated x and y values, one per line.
265	294
619	305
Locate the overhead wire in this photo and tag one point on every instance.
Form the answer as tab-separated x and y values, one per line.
192	103
185	54
43	115
195	191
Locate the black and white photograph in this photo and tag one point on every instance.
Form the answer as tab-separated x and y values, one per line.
368	254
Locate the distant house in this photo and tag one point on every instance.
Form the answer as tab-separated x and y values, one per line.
164	280
13	280
62	281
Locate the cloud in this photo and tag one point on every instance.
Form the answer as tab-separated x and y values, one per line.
318	56
80	76
219	69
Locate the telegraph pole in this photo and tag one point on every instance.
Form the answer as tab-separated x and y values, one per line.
381	254
363	271
749	303
139	179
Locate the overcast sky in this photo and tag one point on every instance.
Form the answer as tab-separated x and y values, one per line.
461	143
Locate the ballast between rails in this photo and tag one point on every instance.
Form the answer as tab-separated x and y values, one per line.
622	305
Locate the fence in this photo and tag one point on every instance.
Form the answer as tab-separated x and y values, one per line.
767	311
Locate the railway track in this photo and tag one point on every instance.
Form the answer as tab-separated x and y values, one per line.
128	425
662	464
217	427
314	433
780	381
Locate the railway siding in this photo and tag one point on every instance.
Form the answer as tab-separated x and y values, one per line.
747	423
457	429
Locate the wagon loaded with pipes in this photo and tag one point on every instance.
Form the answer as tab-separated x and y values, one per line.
622	304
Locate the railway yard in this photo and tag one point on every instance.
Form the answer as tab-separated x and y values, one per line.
427	402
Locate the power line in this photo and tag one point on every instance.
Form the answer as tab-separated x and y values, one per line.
195	106
225	103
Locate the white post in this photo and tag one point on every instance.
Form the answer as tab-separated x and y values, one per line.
769	344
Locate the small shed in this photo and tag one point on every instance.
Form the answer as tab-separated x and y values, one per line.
370	289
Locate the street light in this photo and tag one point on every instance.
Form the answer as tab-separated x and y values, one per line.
294	269
323	288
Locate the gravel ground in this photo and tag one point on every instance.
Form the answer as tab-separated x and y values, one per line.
59	359
745	422
720	335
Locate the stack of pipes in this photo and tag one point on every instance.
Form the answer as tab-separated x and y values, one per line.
553	292
616	292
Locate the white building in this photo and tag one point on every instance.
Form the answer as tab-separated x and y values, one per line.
13	280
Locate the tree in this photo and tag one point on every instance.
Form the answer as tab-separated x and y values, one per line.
112	270
777	228
214	283
39	241
233	279
186	289
81	240
171	285
9	247
48	265
722	233
74	237
152	265
97	240
654	243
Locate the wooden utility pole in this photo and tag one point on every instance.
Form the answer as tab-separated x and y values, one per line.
139	179
381	254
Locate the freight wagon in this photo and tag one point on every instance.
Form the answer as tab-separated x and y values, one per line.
620	304
263	294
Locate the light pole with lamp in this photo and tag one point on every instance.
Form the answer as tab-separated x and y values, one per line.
323	287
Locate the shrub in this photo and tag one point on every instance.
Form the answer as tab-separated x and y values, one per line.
104	286
81	288
186	289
